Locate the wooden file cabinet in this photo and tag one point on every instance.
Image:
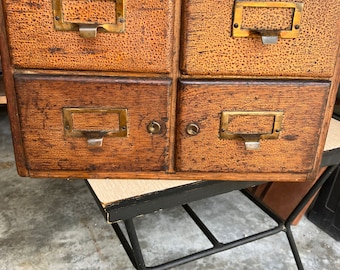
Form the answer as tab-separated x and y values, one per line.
224	90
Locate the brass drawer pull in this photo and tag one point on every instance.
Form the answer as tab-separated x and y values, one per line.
250	127
89	29
267	36
95	123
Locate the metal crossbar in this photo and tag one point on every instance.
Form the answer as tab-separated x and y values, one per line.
134	252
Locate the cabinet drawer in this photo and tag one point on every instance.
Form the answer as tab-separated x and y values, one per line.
225	38
93	124
133	35
249	126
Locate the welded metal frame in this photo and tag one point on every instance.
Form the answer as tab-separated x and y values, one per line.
186	194
134	252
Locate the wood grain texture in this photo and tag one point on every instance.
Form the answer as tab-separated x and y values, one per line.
84	11
175	76
145	46
209	48
201	102
258	18
11	97
335	81
57	69
161	175
42	98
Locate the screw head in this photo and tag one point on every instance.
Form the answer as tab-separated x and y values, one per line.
192	129
154	127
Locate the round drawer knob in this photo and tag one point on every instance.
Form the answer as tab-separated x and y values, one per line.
154	127
192	129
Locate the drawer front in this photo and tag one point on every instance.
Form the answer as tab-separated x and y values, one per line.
93	124
133	35
228	40
249	126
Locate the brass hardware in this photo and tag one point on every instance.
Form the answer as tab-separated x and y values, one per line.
267	36
95	142
89	29
154	127
267	39
251	137
192	129
94	135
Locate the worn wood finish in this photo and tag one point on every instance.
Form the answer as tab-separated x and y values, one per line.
335	83
145	45
175	77
41	100
166	43
161	175
209	48
11	97
202	102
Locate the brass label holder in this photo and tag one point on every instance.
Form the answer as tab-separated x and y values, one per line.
267	36
94	137
89	29
251	138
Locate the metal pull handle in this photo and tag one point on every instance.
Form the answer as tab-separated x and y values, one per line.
250	127
86	28
268	36
251	142
94	124
95	142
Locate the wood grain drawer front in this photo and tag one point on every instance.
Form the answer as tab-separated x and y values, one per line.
93	124
280	120
210	45
139	41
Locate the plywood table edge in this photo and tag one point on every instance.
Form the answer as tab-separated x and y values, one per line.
333	136
3	100
109	191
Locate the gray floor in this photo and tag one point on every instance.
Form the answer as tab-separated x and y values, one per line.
56	224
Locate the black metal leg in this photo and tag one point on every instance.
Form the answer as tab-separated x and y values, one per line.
311	193
125	243
137	252
294	248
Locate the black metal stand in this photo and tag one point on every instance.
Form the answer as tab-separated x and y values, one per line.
134	252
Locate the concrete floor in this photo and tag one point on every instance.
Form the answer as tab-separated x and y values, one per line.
56	224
